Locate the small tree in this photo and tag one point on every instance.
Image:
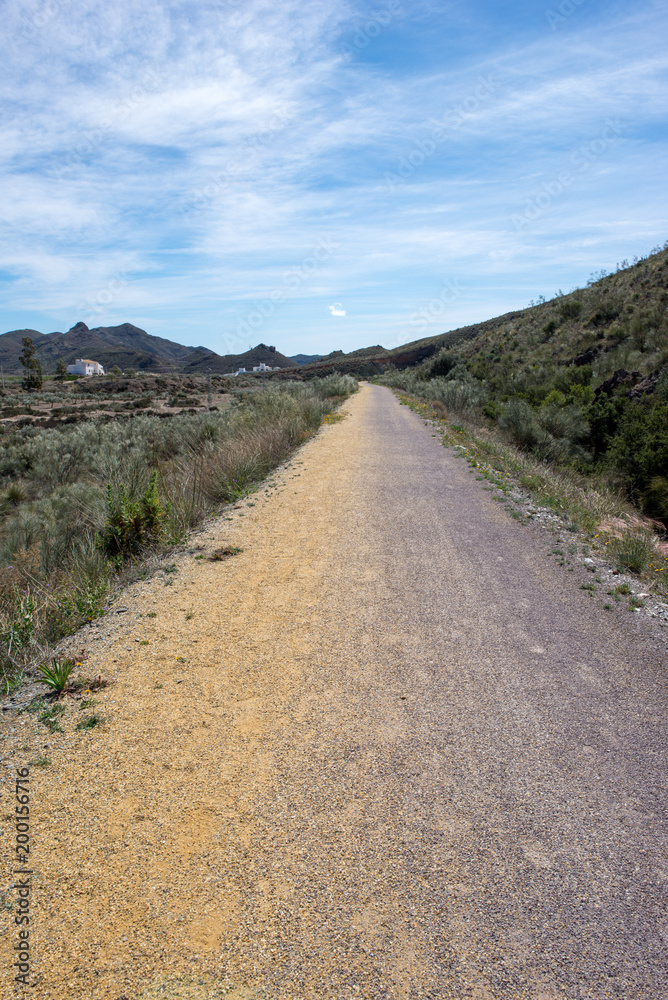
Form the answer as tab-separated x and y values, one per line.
116	371
61	369
32	366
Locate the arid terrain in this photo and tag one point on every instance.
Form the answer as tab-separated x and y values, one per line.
362	738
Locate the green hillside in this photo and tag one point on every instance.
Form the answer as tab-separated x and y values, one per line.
581	379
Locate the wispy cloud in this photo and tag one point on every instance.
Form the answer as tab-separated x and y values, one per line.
188	157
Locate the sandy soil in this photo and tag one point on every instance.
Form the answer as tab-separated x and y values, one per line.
384	751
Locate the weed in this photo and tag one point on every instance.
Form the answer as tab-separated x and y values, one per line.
173	568
635	602
189	615
607	607
50	718
42	761
56	673
88	684
587	586
633	551
90	722
87	703
38	705
224	553
152	614
623	588
144	642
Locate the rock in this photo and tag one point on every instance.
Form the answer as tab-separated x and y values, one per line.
620	377
647	384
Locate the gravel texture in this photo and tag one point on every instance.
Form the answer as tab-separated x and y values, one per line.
387	750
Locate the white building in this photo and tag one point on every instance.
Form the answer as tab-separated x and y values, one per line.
83	366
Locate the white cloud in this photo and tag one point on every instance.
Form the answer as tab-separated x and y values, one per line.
203	151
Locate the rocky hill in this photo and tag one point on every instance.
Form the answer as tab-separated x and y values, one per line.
126	345
221	364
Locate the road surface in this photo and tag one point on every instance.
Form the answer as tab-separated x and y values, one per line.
388	750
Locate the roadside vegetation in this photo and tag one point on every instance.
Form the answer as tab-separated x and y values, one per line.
571	396
83	504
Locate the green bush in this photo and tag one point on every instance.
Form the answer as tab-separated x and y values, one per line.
132	525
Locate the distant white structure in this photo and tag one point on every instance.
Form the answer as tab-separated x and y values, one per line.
258	368
83	366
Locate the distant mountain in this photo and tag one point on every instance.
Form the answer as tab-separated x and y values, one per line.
126	345
232	362
305	359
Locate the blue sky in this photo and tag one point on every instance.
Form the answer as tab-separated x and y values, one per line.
323	175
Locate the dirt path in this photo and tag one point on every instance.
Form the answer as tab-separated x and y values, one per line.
402	758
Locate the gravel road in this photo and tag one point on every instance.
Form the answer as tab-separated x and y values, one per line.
401	756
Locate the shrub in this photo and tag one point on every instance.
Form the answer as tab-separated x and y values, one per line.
443	363
132	526
570	309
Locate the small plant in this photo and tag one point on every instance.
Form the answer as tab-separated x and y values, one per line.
42	761
623	588
633	551
635	602
38	705
189	615
171	569
87	684
56	673
50	719
224	553
89	723
587	586
152	614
